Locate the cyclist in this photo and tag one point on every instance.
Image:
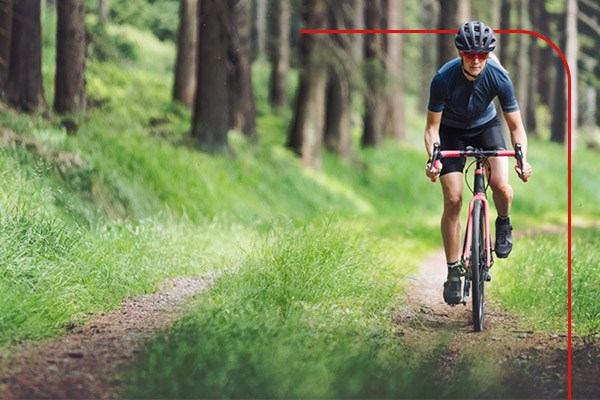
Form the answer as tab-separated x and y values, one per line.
461	113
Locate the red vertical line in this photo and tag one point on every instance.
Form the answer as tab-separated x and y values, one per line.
569	156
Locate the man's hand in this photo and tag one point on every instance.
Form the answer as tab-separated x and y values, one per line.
433	173
524	173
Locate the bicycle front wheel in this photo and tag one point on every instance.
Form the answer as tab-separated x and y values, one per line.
477	264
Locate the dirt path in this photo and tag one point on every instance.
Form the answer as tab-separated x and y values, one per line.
517	361
85	363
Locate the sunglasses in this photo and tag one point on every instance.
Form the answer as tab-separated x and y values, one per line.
471	55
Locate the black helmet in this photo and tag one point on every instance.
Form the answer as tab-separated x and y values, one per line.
475	36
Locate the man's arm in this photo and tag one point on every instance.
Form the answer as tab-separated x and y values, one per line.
518	135
432	130
432	135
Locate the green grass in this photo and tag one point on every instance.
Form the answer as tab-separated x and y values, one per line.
533	281
307	316
586	281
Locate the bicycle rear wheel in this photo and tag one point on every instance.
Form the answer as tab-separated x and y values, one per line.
477	264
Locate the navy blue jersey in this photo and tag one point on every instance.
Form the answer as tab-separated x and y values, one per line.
468	104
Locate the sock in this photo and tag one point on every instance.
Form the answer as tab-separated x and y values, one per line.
503	220
453	264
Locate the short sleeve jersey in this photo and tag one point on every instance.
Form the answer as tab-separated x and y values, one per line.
468	104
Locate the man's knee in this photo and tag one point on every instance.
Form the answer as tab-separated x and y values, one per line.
452	204
502	189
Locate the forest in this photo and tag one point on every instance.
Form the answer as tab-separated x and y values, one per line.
273	179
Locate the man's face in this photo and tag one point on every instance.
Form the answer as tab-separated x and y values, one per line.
474	61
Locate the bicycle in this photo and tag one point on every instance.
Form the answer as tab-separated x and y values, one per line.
476	258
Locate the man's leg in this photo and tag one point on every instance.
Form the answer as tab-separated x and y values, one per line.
452	188
502	195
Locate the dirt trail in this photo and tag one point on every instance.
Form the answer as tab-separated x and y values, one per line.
85	363
519	361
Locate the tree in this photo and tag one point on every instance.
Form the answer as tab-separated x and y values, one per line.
261	28
572	57
338	137
102	8
375	77
306	131
6	14
523	71
242	107
211	110
453	13
280	53
69	95
184	88
24	82
394	122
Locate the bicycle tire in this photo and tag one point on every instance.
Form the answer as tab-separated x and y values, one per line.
478	261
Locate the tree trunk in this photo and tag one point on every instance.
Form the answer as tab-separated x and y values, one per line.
184	89
395	119
280	54
558	126
242	109
453	13
504	44
522	66
306	133
102	11
261	28
211	110
338	137
375	98
572	49
358	22
545	79
24	87
6	16
69	95
429	14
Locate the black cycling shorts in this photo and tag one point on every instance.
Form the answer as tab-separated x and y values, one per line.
487	136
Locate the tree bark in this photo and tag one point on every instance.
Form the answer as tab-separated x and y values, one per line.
558	125
375	98
338	137
69	94
522	66
280	54
261	28
102	11
505	42
572	49
242	108
429	14
211	110
24	87
184	88
6	16
453	13
395	120
306	133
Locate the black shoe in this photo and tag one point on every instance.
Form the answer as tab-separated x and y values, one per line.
503	244
452	286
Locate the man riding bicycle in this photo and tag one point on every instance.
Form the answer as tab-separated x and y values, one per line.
461	113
